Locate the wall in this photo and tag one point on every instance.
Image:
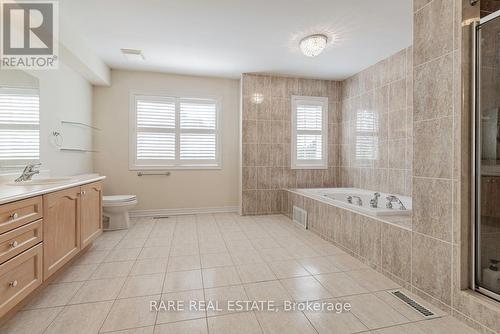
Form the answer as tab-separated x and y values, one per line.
383	91
441	162
182	189
266	138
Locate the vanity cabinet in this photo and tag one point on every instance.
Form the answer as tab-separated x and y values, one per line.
61	228
91	212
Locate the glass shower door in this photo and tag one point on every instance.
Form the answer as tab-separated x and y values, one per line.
487	157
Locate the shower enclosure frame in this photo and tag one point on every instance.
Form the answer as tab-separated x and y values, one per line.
476	154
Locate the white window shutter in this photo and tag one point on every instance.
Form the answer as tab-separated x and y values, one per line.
19	126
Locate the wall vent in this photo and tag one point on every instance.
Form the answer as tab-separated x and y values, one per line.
413	304
300	217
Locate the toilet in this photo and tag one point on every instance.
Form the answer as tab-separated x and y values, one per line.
116	211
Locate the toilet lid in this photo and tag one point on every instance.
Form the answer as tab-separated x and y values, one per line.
118	198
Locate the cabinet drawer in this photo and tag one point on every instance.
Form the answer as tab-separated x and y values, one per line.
20	276
17	241
13	215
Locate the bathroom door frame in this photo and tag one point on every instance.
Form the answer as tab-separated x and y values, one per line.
476	152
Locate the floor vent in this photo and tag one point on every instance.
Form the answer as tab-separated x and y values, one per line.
416	306
300	217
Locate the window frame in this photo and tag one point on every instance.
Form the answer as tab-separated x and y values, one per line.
310	164
176	163
19	163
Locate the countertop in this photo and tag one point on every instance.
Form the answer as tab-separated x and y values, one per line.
10	193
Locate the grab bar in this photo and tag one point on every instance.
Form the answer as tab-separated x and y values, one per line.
149	174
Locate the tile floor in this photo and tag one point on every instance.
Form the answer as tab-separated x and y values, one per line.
218	257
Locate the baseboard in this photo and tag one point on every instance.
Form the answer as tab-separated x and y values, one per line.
178	212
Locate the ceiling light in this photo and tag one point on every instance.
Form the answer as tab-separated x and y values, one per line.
133	54
313	45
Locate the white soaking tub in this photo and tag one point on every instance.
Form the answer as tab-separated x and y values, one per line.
339	197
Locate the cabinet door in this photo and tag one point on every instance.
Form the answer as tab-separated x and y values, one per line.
91	224
61	229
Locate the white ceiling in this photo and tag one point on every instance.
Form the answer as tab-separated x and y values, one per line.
229	37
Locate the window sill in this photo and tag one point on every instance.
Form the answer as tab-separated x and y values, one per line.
179	167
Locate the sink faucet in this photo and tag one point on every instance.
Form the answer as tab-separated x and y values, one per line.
393	198
374	200
28	172
350	198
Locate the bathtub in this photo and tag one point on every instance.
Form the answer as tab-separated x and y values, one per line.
338	197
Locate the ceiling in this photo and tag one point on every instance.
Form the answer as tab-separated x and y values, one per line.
228	37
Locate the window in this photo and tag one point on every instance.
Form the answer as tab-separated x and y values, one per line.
366	135
19	126
309	132
174	132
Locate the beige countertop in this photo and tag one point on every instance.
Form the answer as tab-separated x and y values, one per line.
13	192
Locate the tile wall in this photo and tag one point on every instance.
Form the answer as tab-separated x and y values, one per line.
266	139
376	128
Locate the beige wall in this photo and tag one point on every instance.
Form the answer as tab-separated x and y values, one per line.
266	140
182	189
386	90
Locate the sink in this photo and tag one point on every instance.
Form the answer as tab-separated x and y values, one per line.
41	181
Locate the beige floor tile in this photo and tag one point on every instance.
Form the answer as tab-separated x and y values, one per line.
340	284
127	254
328	249
198	326
145	285
154	253
149	266
181	309
346	262
158	242
444	325
220	297
182	263
373	312
30	322
284	322
251	273
372	280
327	322
182	281
98	290
213	260
248	257
302	252
112	270
246	323
264	243
305	288
91	257
212	247
239	246
140	330
234	235
288	269
80	319
184	249
221	276
275	254
271	291
403	329
319	265
75	273
131	243
130	313
54	295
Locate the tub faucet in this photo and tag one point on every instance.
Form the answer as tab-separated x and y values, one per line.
374	200
393	198
360	201
28	172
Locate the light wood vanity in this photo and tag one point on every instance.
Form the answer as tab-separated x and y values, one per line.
41	233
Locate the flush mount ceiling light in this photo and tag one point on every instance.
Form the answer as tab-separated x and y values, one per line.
313	45
133	54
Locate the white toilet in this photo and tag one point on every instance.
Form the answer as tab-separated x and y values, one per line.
116	210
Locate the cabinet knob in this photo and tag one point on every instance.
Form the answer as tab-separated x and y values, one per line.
82	192
14	244
13	284
15	215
